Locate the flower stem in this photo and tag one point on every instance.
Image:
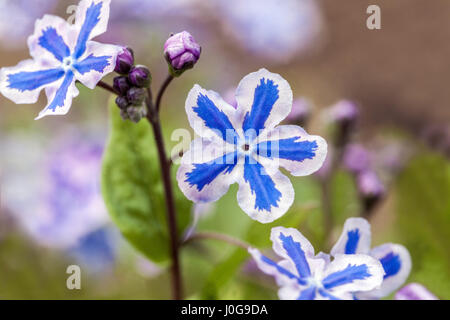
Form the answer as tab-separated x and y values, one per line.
162	90
154	119
106	86
219	237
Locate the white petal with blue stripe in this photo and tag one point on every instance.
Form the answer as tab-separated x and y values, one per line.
292	148
264	195
352	273
396	262
355	238
264	99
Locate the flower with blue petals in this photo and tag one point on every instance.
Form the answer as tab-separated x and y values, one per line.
62	54
395	258
244	145
302	275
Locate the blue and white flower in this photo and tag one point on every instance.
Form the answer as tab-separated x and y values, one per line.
244	145
395	258
302	275
62	54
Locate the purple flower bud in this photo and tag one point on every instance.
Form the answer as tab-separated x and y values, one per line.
301	111
121	85
136	96
181	52
370	185
122	102
344	112
140	77
414	291
356	158
125	61
371	190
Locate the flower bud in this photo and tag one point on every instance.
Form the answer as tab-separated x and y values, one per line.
371	190
125	61
136	113
140	76
122	102
344	114
121	85
136	96
181	52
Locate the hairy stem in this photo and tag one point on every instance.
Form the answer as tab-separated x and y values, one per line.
154	119
219	237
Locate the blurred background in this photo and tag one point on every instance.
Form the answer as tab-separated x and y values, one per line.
391	82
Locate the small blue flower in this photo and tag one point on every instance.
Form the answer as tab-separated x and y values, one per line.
62	54
395	258
244	145
302	275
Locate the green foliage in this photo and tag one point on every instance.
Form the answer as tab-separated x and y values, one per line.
132	188
423	221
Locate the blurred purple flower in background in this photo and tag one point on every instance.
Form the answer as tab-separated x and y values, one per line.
369	184
277	30
356	158
301	112
414	291
21	14
53	192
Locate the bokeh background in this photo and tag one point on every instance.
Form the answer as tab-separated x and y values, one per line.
52	213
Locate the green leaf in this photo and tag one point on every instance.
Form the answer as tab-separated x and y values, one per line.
132	187
423	221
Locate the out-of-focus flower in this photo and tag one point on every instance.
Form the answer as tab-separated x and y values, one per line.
146	11
414	291
344	113
278	30
246	146
17	19
60	205
301	112
395	258
304	276
96	250
182	52
370	188
356	158
62	54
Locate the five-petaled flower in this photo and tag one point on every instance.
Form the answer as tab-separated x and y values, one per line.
246	146
395	258
62	54
302	275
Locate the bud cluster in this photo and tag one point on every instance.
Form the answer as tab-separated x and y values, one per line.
131	86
